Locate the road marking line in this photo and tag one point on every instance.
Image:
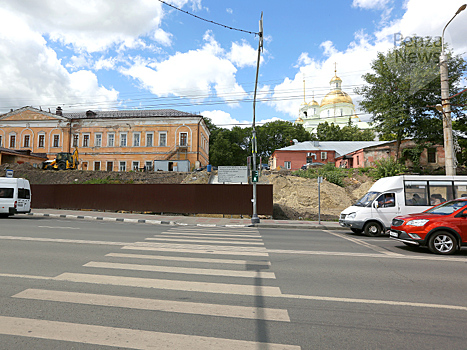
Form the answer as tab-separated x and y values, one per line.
157	305
124	338
377	302
181	258
184	270
61	227
209	236
199	246
203	241
197	251
60	240
188	286
363	243
215	230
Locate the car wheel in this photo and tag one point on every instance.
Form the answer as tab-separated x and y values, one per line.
442	243
372	229
356	230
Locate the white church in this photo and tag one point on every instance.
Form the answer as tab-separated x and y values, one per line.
336	107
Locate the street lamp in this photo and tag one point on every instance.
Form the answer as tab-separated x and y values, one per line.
447	121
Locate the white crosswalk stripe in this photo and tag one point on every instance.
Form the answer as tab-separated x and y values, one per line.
181	248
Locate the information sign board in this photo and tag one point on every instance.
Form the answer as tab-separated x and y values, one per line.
236	174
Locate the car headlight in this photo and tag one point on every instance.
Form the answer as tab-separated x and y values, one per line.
351	215
420	222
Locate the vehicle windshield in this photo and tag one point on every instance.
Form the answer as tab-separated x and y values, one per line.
447	208
367	199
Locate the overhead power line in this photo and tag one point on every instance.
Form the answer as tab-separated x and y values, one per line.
207	20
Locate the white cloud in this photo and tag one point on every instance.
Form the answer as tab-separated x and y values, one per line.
33	75
370	4
229	10
176	76
221	119
163	37
243	55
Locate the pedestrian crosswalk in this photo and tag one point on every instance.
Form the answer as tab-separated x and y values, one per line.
221	274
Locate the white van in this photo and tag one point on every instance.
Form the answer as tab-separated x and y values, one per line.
15	196
400	195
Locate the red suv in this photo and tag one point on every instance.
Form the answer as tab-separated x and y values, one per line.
442	228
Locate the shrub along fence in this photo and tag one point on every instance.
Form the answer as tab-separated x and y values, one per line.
232	199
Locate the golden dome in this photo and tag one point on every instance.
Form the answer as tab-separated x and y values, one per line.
336	96
314	103
335	78
299	120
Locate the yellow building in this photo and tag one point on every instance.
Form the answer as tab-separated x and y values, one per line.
109	140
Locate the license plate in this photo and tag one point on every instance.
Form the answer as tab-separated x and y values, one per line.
393	234
20	204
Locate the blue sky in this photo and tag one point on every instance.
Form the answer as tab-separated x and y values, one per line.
121	54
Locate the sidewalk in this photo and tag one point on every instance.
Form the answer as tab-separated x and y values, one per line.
183	220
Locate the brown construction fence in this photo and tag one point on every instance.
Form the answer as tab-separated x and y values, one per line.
157	198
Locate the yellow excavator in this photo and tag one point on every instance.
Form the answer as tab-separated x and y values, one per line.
63	161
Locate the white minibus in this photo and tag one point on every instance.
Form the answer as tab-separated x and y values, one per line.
15	196
400	195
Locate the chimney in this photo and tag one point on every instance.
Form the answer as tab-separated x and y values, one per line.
58	111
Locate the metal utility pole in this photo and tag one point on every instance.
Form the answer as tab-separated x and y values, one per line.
254	147
449	155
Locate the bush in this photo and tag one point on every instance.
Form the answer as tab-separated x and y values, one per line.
387	167
328	171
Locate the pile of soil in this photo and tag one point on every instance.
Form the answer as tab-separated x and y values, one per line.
294	197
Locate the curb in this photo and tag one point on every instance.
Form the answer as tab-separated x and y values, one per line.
174	223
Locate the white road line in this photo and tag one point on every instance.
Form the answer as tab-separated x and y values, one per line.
61	227
188	286
184	270
377	302
124	338
157	305
185	259
237	231
60	240
196	251
209	236
204	241
222	289
363	243
199	246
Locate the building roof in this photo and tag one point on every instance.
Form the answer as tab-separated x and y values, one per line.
340	147
131	113
27	153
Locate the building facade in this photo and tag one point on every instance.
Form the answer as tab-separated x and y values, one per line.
336	107
110	140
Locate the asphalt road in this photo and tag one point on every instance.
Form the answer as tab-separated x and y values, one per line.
69	284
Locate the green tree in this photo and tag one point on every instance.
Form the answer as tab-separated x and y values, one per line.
279	134
402	86
229	147
331	132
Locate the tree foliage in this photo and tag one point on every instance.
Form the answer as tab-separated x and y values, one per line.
331	132
402	86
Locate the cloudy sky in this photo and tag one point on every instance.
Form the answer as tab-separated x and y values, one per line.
122	54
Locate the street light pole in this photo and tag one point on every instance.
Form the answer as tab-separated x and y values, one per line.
254	146
447	121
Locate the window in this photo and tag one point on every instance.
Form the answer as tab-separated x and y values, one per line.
135	166
387	200
98	140
440	191
12	141
41	143
75	140
26	140
85	165
97	165
86	140
324	155
183	139
122	140
110	140
431	155
288	165
148	165
1	141
163	139
136	139
110	166
342	112
358	160
416	193
56	141
6	192
149	139
122	166
24	193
